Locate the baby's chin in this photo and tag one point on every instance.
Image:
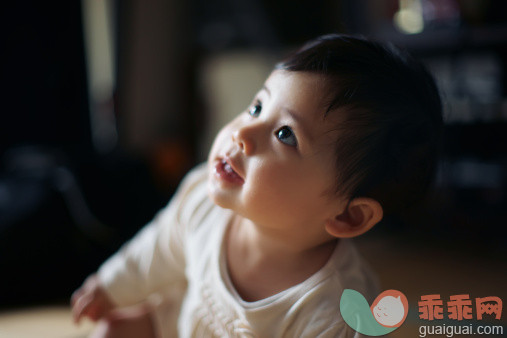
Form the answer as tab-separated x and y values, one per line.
218	196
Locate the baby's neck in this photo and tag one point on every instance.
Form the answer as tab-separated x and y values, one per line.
261	266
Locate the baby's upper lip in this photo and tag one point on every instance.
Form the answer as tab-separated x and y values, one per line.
234	165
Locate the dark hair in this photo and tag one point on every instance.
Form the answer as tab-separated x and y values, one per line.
392	116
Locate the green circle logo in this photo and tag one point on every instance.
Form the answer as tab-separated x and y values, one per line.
386	314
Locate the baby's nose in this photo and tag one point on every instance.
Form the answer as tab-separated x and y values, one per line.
244	139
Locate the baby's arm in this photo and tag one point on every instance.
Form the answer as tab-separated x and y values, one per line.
142	267
152	262
91	301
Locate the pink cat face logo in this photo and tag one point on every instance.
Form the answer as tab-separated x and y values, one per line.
390	308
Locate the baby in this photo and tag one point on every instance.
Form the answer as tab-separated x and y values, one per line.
257	242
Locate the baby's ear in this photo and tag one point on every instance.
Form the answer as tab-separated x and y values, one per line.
360	215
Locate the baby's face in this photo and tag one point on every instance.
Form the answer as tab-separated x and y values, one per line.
274	164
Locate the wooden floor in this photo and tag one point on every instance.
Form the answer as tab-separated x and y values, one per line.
44	322
416	268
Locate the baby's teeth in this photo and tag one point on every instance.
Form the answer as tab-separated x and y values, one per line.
228	168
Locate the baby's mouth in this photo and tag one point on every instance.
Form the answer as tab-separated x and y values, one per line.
225	171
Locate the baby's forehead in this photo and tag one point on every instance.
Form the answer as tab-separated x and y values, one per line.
309	92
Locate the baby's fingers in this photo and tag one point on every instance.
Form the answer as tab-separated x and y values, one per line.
75	296
81	306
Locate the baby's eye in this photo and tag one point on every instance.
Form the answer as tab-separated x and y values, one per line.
286	136
256	109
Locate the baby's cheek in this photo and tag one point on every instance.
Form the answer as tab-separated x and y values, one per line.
266	191
221	135
274	181
218	142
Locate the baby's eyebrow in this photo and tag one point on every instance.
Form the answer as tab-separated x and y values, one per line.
302	126
296	117
266	89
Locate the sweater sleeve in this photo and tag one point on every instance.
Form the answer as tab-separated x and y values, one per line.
154	259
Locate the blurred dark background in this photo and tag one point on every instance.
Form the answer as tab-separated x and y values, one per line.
106	105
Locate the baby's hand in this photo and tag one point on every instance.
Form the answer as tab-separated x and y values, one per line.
91	301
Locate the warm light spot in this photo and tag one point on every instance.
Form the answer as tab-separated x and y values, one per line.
409	18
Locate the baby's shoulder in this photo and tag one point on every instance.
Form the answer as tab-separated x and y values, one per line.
319	312
352	271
